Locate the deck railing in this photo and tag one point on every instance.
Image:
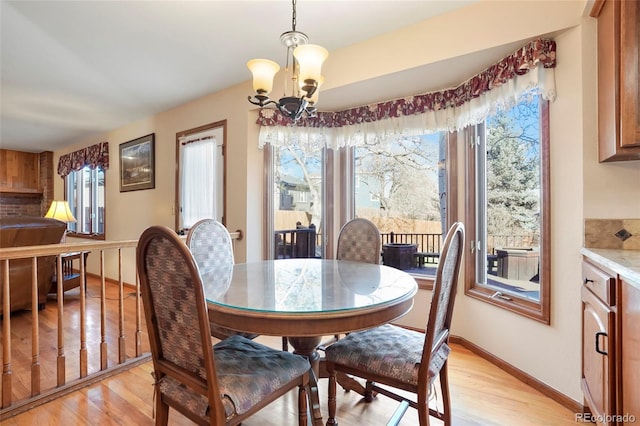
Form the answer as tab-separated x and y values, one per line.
94	337
295	243
428	243
431	243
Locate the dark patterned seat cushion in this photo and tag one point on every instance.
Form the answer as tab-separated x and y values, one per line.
388	350
247	372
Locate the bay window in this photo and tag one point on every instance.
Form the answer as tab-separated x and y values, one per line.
398	167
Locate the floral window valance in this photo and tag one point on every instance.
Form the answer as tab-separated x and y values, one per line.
528	70
93	156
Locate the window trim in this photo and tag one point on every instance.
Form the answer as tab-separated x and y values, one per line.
537	311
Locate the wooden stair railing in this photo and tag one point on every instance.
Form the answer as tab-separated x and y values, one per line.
37	395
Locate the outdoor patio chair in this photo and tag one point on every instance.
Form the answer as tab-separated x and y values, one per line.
220	384
404	359
211	247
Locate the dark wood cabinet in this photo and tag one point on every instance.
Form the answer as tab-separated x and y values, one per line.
610	346
618	86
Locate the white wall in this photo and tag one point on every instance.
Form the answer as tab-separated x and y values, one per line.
549	353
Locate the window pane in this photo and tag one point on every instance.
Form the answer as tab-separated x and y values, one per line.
298	196
508	195
400	185
199	172
85	193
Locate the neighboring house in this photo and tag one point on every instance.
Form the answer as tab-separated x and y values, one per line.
293	193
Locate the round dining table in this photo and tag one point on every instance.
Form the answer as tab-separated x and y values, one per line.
305	299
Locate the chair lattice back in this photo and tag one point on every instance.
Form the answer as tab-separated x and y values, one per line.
210	243
211	247
359	241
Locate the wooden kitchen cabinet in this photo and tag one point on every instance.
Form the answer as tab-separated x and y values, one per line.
610	346
618	86
598	343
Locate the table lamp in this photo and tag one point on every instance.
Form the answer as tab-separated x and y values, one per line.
60	210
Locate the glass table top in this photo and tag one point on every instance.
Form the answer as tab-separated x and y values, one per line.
306	286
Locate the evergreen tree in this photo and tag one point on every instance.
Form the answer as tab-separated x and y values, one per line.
513	171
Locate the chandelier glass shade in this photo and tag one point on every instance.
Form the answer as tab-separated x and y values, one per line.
302	76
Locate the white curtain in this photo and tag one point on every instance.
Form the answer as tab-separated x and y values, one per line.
198	171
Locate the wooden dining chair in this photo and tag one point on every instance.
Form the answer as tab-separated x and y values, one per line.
220	384
211	247
405	359
359	241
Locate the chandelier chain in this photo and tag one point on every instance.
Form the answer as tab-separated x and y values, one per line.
293	17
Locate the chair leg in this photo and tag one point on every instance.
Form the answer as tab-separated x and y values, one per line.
368	391
285	344
446	401
423	406
331	421
314	400
302	405
162	412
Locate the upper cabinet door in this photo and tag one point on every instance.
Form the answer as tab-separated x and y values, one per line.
618	88
629	74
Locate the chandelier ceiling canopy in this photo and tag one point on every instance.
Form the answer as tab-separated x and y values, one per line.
302	76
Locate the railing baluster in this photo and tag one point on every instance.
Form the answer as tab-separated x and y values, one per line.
61	367
139	315
104	360
35	330
84	362
122	355
6	338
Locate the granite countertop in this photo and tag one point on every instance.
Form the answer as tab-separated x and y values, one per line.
625	263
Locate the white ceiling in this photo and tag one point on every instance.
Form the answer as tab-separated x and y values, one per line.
73	69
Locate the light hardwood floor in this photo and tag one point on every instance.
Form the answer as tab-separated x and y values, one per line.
481	393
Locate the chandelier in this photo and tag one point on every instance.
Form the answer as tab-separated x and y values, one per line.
302	69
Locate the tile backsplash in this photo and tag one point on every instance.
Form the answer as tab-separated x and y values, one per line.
612	233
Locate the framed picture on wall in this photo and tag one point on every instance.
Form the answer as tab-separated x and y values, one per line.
137	164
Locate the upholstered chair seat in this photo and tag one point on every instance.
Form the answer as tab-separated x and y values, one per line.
389	351
248	373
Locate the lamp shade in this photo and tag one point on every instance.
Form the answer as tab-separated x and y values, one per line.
310	58
60	210
263	71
